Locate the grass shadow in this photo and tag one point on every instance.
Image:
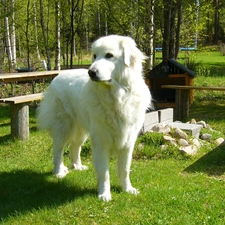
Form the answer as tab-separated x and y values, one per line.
210	110
5	124
6	139
24	190
212	163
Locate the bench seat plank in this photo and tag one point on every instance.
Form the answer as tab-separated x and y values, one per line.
19	111
23	99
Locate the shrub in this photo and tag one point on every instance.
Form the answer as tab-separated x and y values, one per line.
86	149
191	62
202	71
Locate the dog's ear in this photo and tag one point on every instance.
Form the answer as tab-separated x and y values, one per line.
127	54
132	54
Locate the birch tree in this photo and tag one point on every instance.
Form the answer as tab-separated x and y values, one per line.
36	31
13	35
7	36
45	35
27	35
149	27
2	52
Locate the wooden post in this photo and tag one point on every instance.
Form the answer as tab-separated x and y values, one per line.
182	98
20	121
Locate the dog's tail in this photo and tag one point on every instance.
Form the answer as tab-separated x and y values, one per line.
46	111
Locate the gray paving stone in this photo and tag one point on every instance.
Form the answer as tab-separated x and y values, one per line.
192	129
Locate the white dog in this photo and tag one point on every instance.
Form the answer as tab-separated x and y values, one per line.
107	102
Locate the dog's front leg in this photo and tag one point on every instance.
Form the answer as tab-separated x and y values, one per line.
101	164
124	158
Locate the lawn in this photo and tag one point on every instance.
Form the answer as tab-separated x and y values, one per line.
173	190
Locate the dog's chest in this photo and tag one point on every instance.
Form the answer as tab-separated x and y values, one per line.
113	108
118	110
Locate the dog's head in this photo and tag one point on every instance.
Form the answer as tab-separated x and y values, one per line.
112	55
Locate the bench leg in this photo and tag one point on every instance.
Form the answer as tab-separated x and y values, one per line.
181	111
20	121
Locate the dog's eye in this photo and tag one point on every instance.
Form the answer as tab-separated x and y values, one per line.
94	56
108	55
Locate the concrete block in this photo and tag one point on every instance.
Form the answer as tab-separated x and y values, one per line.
192	129
151	119
166	115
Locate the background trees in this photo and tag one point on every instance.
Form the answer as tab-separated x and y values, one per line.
56	31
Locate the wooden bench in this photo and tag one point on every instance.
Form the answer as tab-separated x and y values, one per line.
182	98
19	110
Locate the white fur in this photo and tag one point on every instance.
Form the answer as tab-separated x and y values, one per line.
109	107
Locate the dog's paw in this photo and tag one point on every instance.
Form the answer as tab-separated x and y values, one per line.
78	167
106	197
132	190
62	172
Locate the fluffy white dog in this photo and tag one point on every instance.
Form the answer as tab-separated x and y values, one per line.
107	102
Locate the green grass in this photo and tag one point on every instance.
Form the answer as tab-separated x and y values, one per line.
174	189
171	191
208	63
211	103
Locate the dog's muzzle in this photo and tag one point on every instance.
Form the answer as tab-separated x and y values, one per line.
93	75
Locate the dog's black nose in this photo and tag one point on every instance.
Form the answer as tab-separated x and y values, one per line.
92	73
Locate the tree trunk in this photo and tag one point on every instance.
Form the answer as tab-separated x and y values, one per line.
169	38
149	5
2	53
179	19
172	31
166	30
44	33
27	35
57	35
13	37
72	32
36	32
7	39
216	23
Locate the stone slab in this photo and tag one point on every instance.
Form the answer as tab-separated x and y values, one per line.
151	119
192	129
166	115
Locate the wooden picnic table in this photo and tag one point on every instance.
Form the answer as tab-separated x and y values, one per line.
28	76
182	98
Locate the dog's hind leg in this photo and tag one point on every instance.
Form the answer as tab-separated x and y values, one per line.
60	133
75	149
58	149
124	159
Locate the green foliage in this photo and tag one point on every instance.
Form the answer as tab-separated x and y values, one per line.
84	21
202	71
86	149
191	62
149	146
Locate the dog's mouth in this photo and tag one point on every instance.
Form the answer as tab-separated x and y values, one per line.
101	81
